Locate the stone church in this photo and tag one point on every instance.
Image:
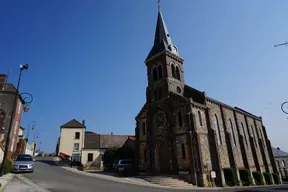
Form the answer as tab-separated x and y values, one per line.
182	130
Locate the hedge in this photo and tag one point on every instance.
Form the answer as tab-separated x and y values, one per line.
245	177
268	178
230	176
258	177
276	178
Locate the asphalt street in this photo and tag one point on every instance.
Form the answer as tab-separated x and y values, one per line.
57	179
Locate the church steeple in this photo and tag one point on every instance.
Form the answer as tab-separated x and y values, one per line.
162	41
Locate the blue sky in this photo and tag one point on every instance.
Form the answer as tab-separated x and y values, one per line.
87	58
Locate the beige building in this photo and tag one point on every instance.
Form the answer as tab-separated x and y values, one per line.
71	140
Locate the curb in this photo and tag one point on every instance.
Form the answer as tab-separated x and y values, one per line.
5	180
147	184
134	182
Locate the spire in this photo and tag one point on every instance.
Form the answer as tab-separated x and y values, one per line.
162	40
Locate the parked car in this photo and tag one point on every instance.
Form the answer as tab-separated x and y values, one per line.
123	166
23	163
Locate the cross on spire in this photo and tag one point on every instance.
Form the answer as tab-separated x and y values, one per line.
158	2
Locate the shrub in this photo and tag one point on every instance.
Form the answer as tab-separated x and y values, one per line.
8	166
268	178
230	176
245	177
276	178
258	177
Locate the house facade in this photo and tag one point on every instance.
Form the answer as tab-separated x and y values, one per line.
96	144
281	158
181	129
71	140
7	95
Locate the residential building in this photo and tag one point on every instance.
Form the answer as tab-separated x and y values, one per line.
71	140
7	95
21	143
96	144
182	130
281	158
86	146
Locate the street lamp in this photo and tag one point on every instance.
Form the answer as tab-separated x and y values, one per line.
284	107
27	98
36	135
22	68
32	125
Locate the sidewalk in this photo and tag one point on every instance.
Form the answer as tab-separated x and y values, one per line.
21	184
139	181
132	180
5	180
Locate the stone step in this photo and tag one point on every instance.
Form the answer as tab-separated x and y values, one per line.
172	181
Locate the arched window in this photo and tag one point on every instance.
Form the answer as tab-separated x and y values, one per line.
145	155
177	73
160	92
254	135
218	133
173	71
200	118
144	128
155	95
180	121
160	74
244	133
155	74
183	151
232	133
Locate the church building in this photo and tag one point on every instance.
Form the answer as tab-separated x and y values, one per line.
182	130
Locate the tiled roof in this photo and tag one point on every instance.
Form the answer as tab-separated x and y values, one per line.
92	141
112	141
99	141
73	124
279	153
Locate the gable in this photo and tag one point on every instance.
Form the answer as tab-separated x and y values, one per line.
279	153
73	124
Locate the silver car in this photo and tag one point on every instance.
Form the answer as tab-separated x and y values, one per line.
23	163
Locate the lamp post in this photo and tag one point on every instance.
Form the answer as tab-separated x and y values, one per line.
31	125
22	68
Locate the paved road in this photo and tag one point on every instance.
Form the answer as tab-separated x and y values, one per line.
56	179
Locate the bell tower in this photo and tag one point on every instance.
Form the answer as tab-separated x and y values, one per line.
164	65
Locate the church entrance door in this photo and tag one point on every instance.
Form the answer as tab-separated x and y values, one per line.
163	157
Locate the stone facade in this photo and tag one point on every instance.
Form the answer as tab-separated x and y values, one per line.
281	158
180	129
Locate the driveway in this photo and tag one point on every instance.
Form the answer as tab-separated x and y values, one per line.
57	179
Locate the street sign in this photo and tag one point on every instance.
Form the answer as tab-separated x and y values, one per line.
213	174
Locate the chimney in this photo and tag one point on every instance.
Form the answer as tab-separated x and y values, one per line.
83	122
111	133
2	81
278	148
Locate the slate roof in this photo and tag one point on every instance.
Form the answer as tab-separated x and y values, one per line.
73	124
100	141
279	153
162	39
